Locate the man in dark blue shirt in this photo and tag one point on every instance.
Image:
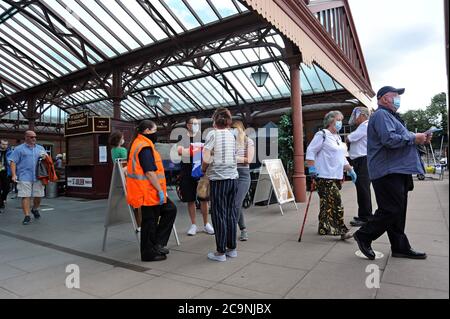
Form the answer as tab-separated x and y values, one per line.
392	159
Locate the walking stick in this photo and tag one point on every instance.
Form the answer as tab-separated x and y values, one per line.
307	208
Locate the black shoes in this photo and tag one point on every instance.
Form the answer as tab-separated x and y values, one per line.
154	258
162	250
364	247
411	254
35	213
26	220
358	222
2	205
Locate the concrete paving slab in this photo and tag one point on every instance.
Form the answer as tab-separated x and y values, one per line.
416	275
296	255
160	288
203	268
266	278
7	271
62	292
35	263
333	281
189	280
36	282
175	260
390	291
261	242
111	282
247	293
4	294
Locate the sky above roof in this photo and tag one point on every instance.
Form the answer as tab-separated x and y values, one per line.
403	42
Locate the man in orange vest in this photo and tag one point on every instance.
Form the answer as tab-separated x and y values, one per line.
146	189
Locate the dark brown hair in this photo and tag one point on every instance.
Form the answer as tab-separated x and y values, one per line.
222	118
190	118
115	138
145	124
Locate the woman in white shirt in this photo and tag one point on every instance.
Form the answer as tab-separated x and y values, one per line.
326	159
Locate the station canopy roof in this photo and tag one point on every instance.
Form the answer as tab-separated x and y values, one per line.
196	55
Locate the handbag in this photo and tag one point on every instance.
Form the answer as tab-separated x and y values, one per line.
203	188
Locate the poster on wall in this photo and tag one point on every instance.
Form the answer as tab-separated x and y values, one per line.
103	154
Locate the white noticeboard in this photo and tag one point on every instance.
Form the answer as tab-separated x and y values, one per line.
119	212
102	154
273	178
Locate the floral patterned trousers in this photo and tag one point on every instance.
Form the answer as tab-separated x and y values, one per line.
331	216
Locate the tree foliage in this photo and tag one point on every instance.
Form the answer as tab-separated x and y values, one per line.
435	114
286	142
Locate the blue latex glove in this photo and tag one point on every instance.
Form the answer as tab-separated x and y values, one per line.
312	171
161	197
353	175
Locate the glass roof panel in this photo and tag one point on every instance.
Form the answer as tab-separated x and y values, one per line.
203	10
245	94
306	87
182	13
145	21
128	21
93	23
74	19
225	7
18	65
327	81
167	17
313	78
26	45
32	31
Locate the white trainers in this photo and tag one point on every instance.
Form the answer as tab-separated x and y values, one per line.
192	230
215	257
208	229
231	253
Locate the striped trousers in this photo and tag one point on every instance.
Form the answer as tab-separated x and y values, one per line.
224	213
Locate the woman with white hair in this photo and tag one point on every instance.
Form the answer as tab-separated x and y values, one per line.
326	159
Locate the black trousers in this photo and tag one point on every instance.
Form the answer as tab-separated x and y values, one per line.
363	187
391	192
5	182
156	227
224	213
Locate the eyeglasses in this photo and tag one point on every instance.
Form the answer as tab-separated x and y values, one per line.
32	136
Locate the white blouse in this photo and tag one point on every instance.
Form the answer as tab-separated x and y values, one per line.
329	155
358	141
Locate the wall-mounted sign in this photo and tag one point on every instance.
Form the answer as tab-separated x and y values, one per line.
84	182
77	120
94	125
102	124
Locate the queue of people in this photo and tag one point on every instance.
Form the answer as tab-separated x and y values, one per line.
382	153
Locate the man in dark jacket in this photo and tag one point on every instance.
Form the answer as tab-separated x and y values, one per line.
392	159
5	172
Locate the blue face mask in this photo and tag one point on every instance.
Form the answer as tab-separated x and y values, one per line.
338	125
396	102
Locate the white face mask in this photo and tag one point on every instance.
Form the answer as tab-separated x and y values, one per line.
195	128
122	141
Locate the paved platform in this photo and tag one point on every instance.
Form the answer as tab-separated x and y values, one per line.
272	264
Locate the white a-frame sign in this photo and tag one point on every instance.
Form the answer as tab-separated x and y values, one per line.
273	178
119	212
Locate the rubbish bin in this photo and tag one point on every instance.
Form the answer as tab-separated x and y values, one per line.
51	190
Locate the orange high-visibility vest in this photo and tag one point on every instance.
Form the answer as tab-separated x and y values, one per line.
140	191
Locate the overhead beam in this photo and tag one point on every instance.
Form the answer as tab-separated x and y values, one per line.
243	23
